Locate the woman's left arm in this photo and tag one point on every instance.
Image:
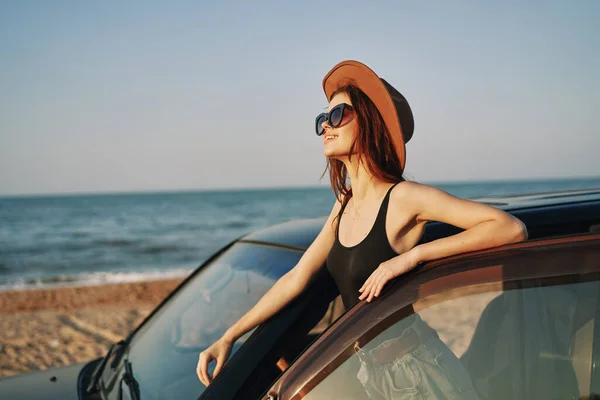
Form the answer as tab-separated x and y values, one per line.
484	227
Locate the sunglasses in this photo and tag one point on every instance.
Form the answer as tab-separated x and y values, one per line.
334	117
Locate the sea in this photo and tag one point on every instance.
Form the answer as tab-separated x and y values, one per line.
90	239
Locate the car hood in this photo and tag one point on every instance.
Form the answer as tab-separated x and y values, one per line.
54	383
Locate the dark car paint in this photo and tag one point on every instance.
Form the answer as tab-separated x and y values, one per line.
297	234
508	202
54	383
544	215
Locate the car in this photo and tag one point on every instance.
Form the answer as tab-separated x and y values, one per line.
524	319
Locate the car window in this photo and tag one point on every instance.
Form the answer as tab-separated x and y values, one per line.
277	343
522	325
320	306
164	352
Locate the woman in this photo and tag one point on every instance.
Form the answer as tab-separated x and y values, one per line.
374	227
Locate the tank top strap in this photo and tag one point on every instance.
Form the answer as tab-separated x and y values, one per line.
337	228
381	216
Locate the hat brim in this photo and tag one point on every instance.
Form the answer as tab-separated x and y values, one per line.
358	74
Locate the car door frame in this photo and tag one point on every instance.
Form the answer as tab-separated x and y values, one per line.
324	356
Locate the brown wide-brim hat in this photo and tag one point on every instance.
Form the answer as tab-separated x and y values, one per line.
392	105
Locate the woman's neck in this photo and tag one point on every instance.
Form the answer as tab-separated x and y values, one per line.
364	185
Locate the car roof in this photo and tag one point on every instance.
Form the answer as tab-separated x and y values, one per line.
298	233
516	201
301	233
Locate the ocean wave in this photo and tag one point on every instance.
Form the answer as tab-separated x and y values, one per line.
93	279
158	249
235	225
114	242
105	245
67	245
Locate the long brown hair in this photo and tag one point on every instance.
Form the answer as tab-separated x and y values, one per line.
373	147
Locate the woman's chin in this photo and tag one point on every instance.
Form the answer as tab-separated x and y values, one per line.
333	153
329	153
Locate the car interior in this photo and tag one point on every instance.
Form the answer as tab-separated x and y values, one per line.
535	342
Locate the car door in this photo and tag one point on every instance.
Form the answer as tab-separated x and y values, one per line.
522	320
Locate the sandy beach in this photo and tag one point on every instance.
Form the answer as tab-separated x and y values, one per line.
44	328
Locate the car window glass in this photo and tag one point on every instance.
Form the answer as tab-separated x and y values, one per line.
164	353
297	340
323	309
529	338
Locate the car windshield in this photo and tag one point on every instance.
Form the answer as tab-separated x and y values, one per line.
164	352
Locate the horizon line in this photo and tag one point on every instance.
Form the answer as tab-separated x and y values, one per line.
283	187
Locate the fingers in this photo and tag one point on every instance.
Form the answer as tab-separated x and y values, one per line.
199	370
365	289
368	286
220	362
379	287
371	292
202	369
374	284
367	282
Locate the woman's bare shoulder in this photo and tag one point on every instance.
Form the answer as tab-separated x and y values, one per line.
411	189
411	196
408	189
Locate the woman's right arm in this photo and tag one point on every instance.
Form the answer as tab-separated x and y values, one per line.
279	295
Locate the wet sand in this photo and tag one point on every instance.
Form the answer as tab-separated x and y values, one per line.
44	328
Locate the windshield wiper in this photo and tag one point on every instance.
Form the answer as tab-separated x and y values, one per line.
117	348
129	380
119	351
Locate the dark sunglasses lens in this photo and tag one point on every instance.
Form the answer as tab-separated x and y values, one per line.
335	117
319	124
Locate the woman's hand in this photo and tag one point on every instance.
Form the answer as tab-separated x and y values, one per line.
387	271
219	352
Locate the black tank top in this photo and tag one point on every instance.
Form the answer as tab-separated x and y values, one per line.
350	267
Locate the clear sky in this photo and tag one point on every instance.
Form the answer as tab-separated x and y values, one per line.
144	95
